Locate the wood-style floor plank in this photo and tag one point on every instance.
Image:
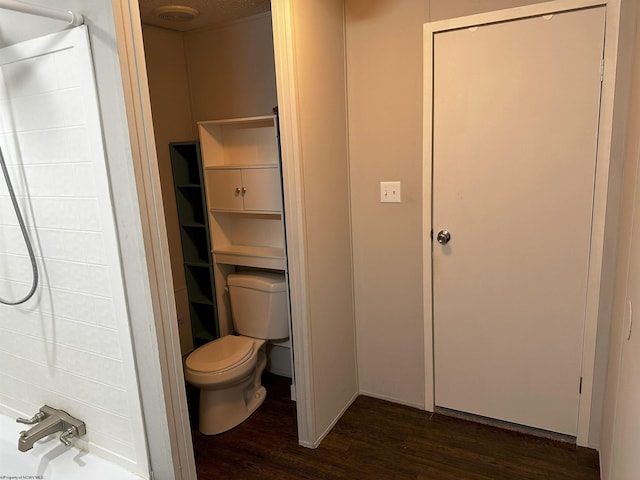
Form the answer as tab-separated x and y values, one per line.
381	440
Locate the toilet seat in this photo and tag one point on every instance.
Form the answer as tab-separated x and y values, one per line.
221	355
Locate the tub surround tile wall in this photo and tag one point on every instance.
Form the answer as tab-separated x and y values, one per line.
67	346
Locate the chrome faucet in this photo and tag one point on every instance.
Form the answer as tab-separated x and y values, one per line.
47	421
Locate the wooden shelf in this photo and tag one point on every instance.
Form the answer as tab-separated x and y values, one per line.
247	212
243	167
239	121
251	256
202	300
197	263
240	141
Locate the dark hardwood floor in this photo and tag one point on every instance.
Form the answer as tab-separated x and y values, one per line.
381	440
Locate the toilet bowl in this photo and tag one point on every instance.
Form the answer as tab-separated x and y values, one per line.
228	370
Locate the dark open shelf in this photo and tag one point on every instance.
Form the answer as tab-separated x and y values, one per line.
186	163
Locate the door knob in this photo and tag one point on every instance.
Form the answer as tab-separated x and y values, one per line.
443	237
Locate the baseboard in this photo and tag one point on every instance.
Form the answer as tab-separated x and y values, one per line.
317	443
515	427
392	400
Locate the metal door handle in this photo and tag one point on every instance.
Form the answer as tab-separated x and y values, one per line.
443	237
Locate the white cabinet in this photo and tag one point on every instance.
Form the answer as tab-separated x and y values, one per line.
244	192
247	189
244	199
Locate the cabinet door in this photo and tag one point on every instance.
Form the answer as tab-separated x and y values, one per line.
224	189
262	189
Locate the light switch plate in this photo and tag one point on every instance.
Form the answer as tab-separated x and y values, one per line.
390	192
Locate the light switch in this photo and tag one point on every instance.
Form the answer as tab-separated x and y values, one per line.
390	192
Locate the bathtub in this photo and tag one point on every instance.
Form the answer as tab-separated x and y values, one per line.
51	460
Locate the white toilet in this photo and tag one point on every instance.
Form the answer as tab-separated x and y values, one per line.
228	370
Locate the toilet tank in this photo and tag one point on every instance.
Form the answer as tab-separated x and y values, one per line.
259	305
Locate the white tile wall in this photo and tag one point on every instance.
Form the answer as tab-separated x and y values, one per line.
64	347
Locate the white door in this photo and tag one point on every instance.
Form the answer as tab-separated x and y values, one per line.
515	125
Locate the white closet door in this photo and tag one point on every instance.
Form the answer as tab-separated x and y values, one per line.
515	126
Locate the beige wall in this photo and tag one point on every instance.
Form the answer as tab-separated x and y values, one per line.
319	64
320	45
384	65
231	69
629	144
442	9
171	110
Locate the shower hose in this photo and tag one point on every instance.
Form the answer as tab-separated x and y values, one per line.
25	235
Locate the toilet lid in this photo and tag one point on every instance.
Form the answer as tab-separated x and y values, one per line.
221	354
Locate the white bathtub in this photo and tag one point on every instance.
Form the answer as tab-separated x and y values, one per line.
51	460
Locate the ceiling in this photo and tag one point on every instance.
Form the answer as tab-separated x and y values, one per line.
212	12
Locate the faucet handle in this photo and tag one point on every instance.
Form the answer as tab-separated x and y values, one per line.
70	432
35	419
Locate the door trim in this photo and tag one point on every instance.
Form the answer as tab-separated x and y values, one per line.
599	283
163	398
287	90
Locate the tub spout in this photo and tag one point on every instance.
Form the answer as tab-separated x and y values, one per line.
51	421
49	425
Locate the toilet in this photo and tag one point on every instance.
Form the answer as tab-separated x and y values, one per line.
228	370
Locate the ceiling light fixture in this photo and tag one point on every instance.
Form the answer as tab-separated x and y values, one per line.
176	13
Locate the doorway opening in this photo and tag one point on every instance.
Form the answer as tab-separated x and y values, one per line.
208	72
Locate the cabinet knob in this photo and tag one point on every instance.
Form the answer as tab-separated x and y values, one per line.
244	190
237	191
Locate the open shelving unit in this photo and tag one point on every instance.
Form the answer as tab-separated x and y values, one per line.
186	164
242	176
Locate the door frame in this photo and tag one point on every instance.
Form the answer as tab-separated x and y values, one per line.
164	403
600	281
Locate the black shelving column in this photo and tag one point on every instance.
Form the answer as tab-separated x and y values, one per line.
186	163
